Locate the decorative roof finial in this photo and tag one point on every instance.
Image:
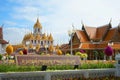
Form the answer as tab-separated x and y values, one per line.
73	26
119	27
110	21
82	23
37	16
119	24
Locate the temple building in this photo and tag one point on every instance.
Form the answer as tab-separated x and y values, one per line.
94	39
38	37
3	42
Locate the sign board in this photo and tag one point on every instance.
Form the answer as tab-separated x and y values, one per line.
47	60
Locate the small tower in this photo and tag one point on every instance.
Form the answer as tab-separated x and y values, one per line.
37	27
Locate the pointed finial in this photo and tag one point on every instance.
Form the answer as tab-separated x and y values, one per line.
119	23
37	14
110	21
73	26
82	23
119	27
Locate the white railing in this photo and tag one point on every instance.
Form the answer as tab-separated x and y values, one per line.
58	74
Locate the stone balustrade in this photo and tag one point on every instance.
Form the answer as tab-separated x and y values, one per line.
58	74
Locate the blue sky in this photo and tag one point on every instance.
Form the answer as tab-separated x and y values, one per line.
56	16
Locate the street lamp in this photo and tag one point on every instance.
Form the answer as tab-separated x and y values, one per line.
71	34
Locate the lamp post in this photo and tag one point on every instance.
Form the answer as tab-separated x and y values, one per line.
71	34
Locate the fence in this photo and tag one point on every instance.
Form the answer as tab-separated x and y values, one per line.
59	74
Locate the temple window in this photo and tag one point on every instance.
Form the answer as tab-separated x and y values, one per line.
45	42
38	41
35	41
38	30
48	42
51	42
42	43
32	41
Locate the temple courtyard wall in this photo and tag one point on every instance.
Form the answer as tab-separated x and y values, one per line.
58	74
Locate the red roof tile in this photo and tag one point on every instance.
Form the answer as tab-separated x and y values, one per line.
3	42
91	32
101	31
110	34
97	32
81	36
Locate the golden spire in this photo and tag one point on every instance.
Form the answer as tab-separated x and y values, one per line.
50	37
31	37
57	47
37	24
44	37
37	37
51	48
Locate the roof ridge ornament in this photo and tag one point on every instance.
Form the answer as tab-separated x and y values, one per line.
110	21
73	26
119	27
82	25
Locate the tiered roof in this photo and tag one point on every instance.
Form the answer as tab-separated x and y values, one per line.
30	36
97	33
95	37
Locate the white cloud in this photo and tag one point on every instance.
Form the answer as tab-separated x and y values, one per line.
10	23
58	16
14	35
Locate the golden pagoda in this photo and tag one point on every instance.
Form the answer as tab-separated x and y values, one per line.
37	37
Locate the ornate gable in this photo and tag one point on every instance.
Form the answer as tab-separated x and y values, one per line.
103	31
116	36
110	34
75	39
97	33
91	32
113	35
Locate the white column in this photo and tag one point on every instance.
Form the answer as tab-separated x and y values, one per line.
104	57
